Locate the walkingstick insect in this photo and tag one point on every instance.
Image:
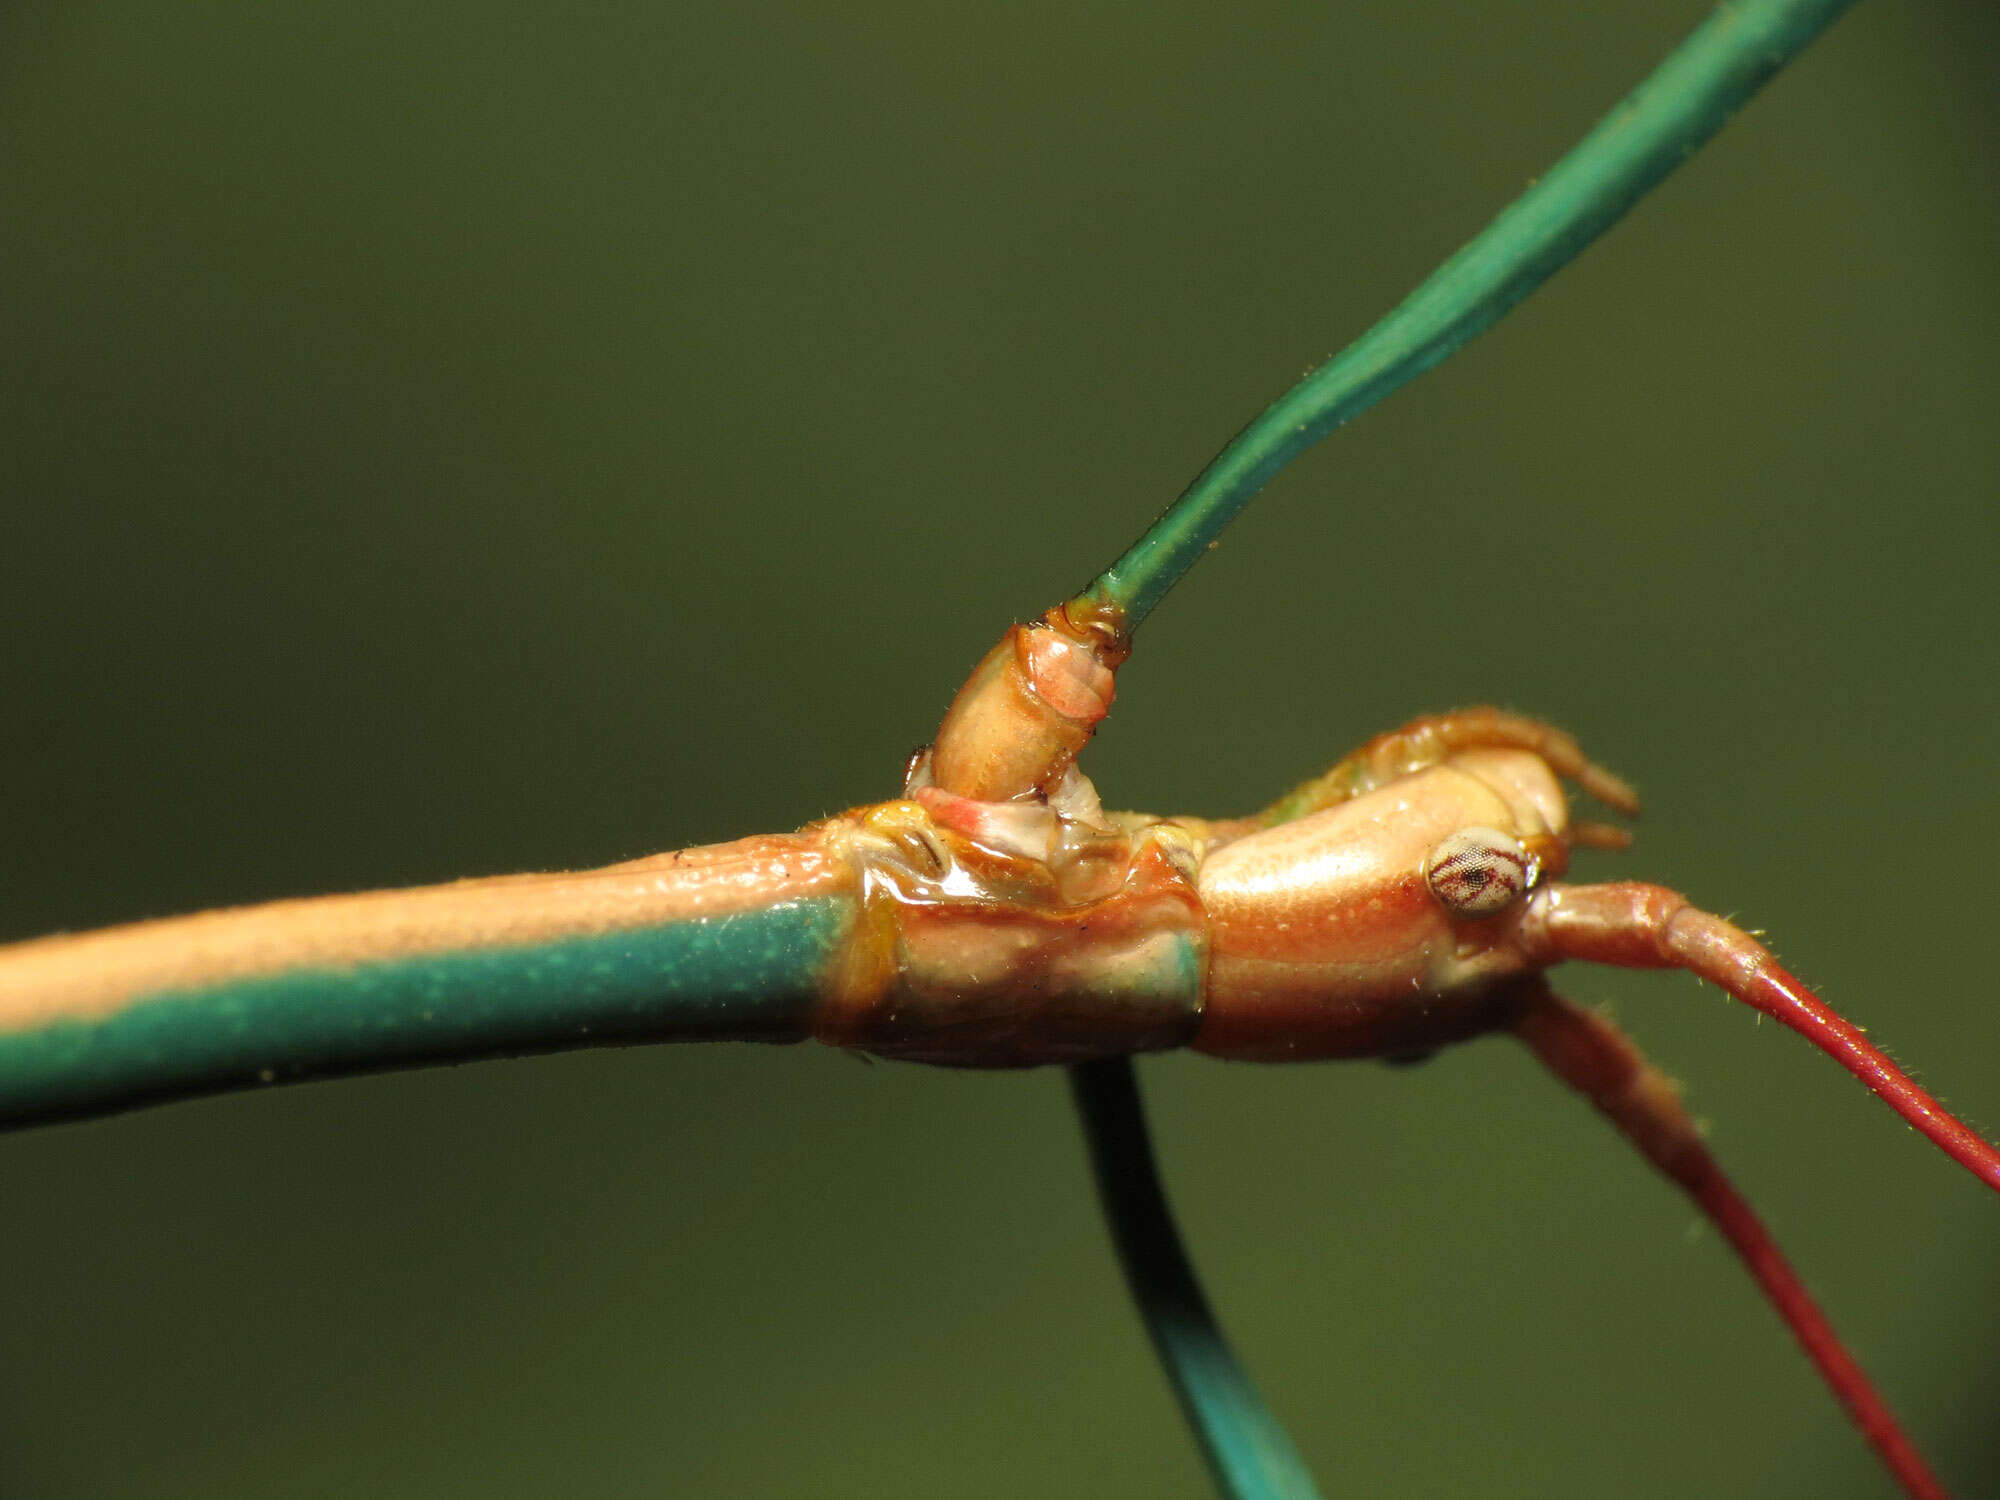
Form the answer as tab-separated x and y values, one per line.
1314	1160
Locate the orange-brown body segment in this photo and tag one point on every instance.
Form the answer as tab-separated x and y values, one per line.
1325	939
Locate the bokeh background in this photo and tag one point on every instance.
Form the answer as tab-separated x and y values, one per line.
449	439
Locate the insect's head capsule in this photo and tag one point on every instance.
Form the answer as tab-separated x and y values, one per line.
1379	926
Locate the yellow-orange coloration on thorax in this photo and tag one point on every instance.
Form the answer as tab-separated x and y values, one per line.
1325	940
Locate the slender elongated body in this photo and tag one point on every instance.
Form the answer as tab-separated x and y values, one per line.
961	932
1407	899
938	928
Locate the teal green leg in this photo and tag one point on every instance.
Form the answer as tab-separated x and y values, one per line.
1247	1451
1689	97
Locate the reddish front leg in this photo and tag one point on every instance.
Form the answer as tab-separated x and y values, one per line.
1411	899
1597	1060
1650	927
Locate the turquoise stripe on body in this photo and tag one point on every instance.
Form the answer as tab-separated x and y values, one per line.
749	976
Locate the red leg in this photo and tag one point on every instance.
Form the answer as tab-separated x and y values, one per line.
1595	1058
1649	927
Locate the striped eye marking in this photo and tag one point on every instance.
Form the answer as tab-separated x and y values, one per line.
1476	872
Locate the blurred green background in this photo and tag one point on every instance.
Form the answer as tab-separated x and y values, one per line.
450	439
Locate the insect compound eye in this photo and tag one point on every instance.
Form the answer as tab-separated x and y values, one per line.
1479	871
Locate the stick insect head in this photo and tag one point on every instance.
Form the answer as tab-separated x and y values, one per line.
1395	903
1381	924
